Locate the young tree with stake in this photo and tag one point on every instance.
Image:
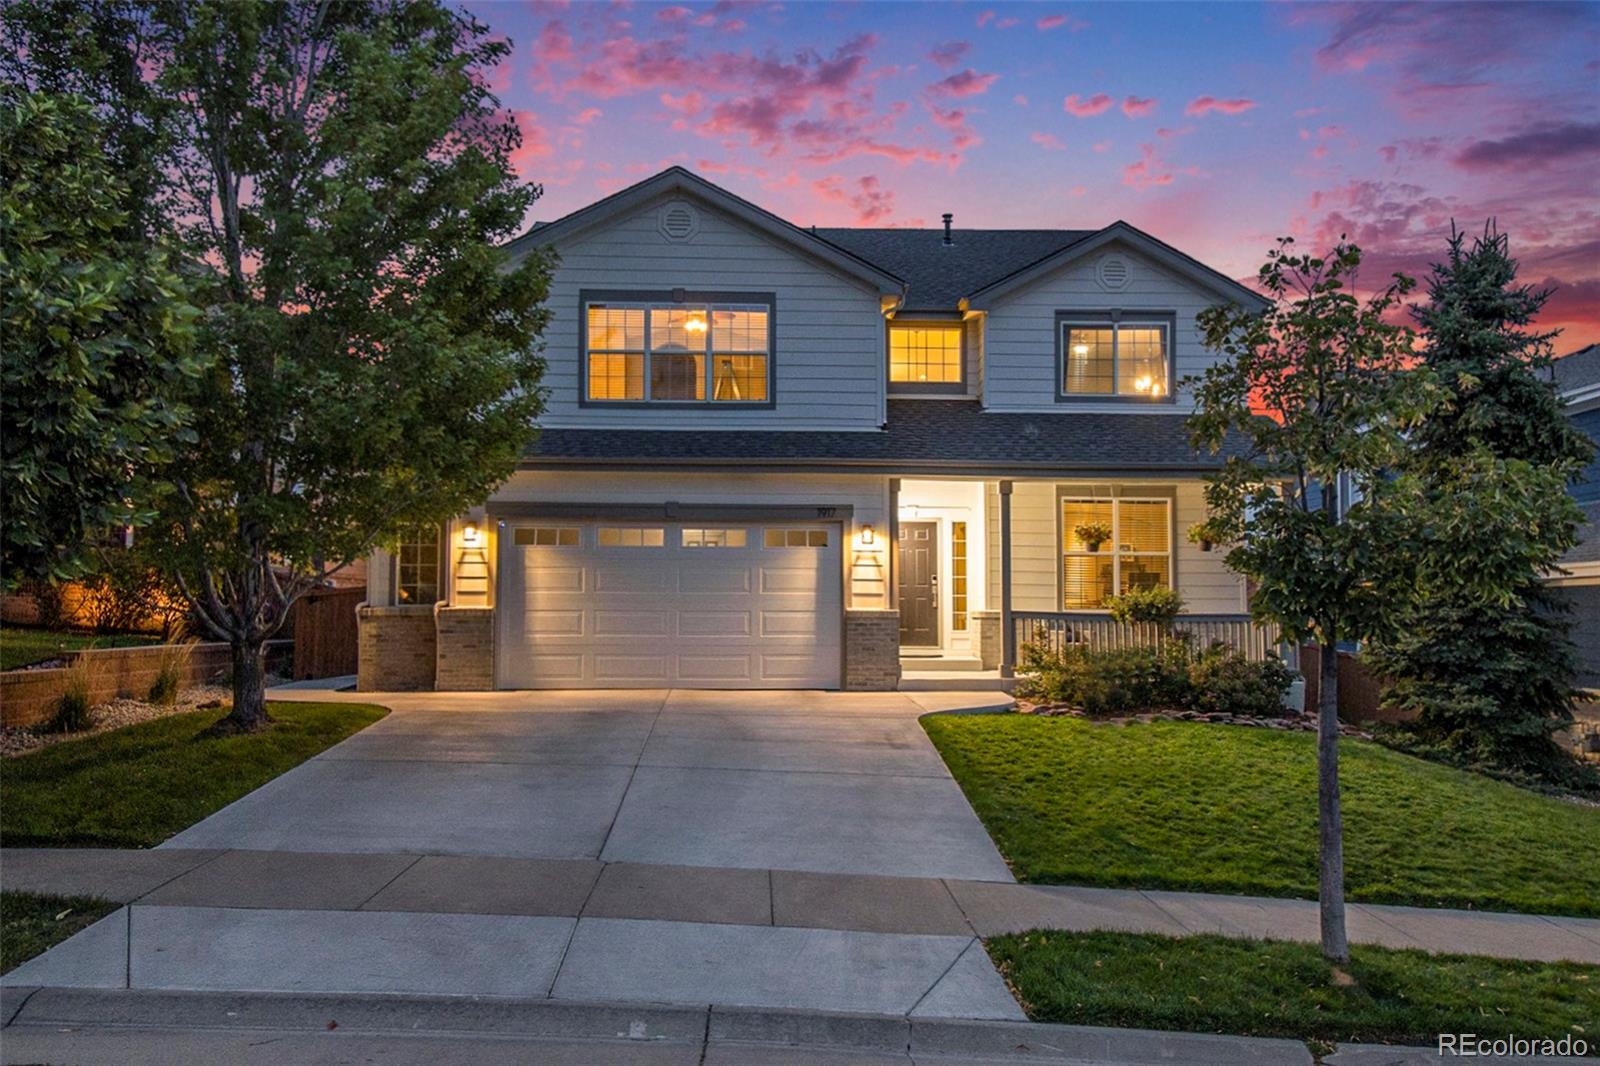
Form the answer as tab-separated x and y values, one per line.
1317	391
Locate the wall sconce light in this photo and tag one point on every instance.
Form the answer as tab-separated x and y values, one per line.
469	535
866	534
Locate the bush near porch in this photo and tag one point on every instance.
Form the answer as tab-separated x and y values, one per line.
1211	808
1167	676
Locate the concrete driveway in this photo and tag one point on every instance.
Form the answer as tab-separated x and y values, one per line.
813	781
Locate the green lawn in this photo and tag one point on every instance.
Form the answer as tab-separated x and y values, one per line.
22	647
1274	988
135	787
1214	808
31	923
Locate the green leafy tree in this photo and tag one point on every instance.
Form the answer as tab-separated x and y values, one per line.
343	175
1313	393
1488	681
97	337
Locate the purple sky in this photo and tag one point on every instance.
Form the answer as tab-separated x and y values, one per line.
1216	127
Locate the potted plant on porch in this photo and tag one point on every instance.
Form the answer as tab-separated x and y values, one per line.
1093	534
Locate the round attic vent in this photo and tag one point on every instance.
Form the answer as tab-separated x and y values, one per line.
1113	272
679	221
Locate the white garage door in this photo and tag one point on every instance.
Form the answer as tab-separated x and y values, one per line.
691	604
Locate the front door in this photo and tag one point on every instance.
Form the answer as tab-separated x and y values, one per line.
919	584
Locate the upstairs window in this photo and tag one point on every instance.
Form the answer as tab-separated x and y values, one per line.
925	357
1136	555
1128	359
678	352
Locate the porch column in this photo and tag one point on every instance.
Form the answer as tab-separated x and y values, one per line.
1008	632
894	544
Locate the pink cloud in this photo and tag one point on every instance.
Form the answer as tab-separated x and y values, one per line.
1050	22
1006	24
948	54
587	115
963	83
1020	100
1204	105
1136	107
1150	170
535	141
984	18
870	201
1097	104
1047	140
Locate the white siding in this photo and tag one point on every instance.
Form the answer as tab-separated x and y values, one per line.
830	329
866	566
1204	581
1020	365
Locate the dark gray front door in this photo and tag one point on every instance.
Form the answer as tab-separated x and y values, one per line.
919	584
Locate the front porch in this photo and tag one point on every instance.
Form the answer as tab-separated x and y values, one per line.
983	566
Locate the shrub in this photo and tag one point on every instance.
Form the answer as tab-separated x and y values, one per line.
125	594
1157	604
1223	681
50	604
173	664
1171	676
1106	683
72	709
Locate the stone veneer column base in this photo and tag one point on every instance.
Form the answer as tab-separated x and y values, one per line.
396	649
465	656
871	651
990	642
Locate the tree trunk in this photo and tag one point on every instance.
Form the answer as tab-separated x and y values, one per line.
1330	859
249	714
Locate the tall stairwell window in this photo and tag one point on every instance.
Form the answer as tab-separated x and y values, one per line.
418	564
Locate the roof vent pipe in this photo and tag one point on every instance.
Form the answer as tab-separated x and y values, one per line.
947	219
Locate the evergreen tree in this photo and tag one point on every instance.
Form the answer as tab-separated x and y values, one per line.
1488	682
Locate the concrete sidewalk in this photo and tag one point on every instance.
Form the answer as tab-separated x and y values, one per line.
156	1028
590	889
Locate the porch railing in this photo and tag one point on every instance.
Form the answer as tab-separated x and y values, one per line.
1059	630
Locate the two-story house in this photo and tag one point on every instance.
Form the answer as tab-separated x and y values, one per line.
779	457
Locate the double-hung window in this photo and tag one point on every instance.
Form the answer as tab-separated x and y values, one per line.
925	357
1127	359
418	564
671	351
1135	554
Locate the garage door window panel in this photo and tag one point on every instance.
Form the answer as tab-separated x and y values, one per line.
632	537
796	538
546	536
713	538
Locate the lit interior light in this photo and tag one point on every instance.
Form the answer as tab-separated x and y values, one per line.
1143	384
1155	390
695	325
1080	349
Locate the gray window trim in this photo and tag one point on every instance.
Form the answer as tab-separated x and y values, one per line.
926	388
681	296
1114	317
1112	491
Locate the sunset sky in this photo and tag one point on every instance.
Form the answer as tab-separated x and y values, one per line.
1216	127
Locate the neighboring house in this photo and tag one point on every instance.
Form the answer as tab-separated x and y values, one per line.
1578	377
790	458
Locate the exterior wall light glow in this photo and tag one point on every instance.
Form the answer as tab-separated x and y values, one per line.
866	534
469	535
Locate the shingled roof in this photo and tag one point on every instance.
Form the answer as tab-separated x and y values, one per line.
932	435
938	275
1578	369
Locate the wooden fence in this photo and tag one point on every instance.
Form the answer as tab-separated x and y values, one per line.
325	632
1359	690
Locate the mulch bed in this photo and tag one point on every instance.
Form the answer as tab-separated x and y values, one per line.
1296	723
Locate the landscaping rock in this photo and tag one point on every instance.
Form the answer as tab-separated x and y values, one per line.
114	714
